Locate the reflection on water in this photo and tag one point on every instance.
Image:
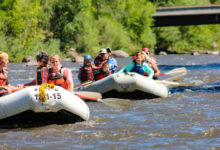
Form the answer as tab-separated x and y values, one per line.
188	119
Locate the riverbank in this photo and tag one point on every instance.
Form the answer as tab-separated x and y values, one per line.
78	57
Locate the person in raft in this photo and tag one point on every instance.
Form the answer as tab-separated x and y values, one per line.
113	63
42	62
102	72
4	84
104	56
152	62
57	74
86	71
138	65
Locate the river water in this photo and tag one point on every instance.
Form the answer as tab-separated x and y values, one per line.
188	119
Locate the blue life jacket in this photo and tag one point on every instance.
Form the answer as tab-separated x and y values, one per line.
138	68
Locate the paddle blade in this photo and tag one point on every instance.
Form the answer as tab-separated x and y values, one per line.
174	84
175	78
179	85
117	103
95	95
177	72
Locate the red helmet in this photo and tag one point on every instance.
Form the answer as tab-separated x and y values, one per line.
146	50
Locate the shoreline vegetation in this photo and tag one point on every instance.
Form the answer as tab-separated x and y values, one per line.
85	26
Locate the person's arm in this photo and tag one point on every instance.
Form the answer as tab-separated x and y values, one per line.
7	88
69	80
149	70
45	75
33	82
155	68
70	87
11	88
95	68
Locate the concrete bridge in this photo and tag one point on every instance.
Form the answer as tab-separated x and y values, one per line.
194	15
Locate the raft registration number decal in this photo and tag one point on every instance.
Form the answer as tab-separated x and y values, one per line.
49	96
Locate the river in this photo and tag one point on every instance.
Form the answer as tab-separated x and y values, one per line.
188	119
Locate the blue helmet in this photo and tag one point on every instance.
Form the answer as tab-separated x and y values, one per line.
87	56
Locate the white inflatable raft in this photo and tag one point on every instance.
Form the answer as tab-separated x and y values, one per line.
127	85
25	107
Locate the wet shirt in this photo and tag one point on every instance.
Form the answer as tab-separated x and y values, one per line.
113	64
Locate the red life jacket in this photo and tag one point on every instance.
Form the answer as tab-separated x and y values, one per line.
57	79
3	78
99	74
86	73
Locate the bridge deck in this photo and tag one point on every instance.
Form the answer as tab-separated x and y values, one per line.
172	16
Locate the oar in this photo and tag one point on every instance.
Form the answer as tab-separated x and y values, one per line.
174	78
176	72
113	102
86	83
89	94
174	84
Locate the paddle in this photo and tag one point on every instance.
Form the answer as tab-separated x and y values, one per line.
113	102
86	83
174	78
175	72
89	94
173	84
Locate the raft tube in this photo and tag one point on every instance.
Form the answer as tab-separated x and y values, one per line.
61	105
129	86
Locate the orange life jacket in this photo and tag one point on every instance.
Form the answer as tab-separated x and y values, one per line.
3	78
57	79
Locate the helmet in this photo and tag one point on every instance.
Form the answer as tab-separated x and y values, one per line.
146	50
87	56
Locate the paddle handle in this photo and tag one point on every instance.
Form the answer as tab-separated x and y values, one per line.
88	98
82	84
